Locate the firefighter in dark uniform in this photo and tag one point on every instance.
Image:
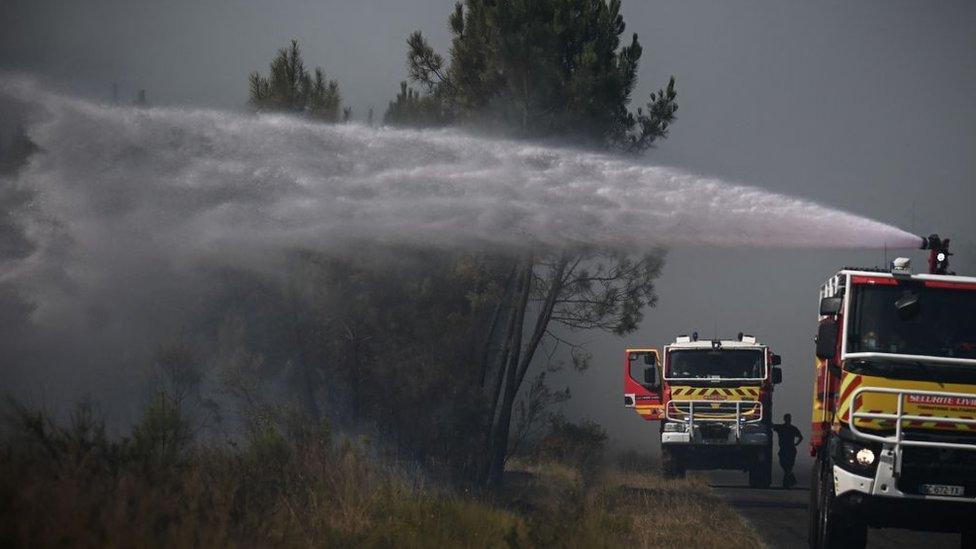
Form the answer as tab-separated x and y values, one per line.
789	438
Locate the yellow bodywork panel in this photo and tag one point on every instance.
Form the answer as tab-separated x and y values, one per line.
714	402
942	409
682	392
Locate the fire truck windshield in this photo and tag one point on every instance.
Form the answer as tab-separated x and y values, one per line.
913	320
715	364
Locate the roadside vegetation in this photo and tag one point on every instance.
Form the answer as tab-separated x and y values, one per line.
382	395
292	483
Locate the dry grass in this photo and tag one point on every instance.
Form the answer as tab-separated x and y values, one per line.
70	485
630	503
299	487
677	512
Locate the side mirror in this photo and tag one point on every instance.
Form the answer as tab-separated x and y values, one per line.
776	360
827	340
830	306
908	306
777	375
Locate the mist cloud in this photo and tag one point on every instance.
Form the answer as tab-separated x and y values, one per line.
121	185
129	206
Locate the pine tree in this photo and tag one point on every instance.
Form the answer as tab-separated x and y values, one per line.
291	88
140	100
540	68
410	108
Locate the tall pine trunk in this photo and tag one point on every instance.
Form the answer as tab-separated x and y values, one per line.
518	362
498	448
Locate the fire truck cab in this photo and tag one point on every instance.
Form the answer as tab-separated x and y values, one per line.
894	403
713	399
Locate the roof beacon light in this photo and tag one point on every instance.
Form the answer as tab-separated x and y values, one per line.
901	265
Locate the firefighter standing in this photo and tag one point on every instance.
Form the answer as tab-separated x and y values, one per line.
789	438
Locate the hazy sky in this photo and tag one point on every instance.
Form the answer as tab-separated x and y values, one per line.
867	106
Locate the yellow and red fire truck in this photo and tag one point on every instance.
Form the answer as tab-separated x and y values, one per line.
713	399
894	402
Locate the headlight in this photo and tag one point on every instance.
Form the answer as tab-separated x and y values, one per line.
857	458
864	457
674	427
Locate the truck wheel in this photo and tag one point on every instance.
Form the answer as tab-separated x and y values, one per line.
761	475
833	528
813	508
761	472
968	539
671	466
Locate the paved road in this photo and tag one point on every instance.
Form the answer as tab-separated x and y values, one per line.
780	516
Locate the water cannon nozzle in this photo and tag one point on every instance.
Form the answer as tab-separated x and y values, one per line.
931	242
938	253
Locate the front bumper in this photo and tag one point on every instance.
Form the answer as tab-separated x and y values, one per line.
880	504
884	483
709	436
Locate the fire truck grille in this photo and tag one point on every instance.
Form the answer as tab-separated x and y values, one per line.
937	466
714	431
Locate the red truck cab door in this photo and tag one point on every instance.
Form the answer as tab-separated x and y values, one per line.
643	386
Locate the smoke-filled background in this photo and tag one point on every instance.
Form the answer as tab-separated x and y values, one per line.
831	115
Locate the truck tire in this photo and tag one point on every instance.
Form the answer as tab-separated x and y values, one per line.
830	528
761	475
761	471
813	518
671	466
967	538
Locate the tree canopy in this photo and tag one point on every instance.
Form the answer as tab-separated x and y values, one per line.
291	88
541	69
537	68
460	333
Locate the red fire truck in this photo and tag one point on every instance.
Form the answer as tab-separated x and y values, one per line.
713	399
894	402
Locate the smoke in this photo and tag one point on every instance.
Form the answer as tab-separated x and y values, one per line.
128	203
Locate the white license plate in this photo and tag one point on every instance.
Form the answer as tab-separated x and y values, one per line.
941	490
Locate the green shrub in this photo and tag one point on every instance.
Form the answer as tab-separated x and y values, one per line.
633	461
580	445
160	441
